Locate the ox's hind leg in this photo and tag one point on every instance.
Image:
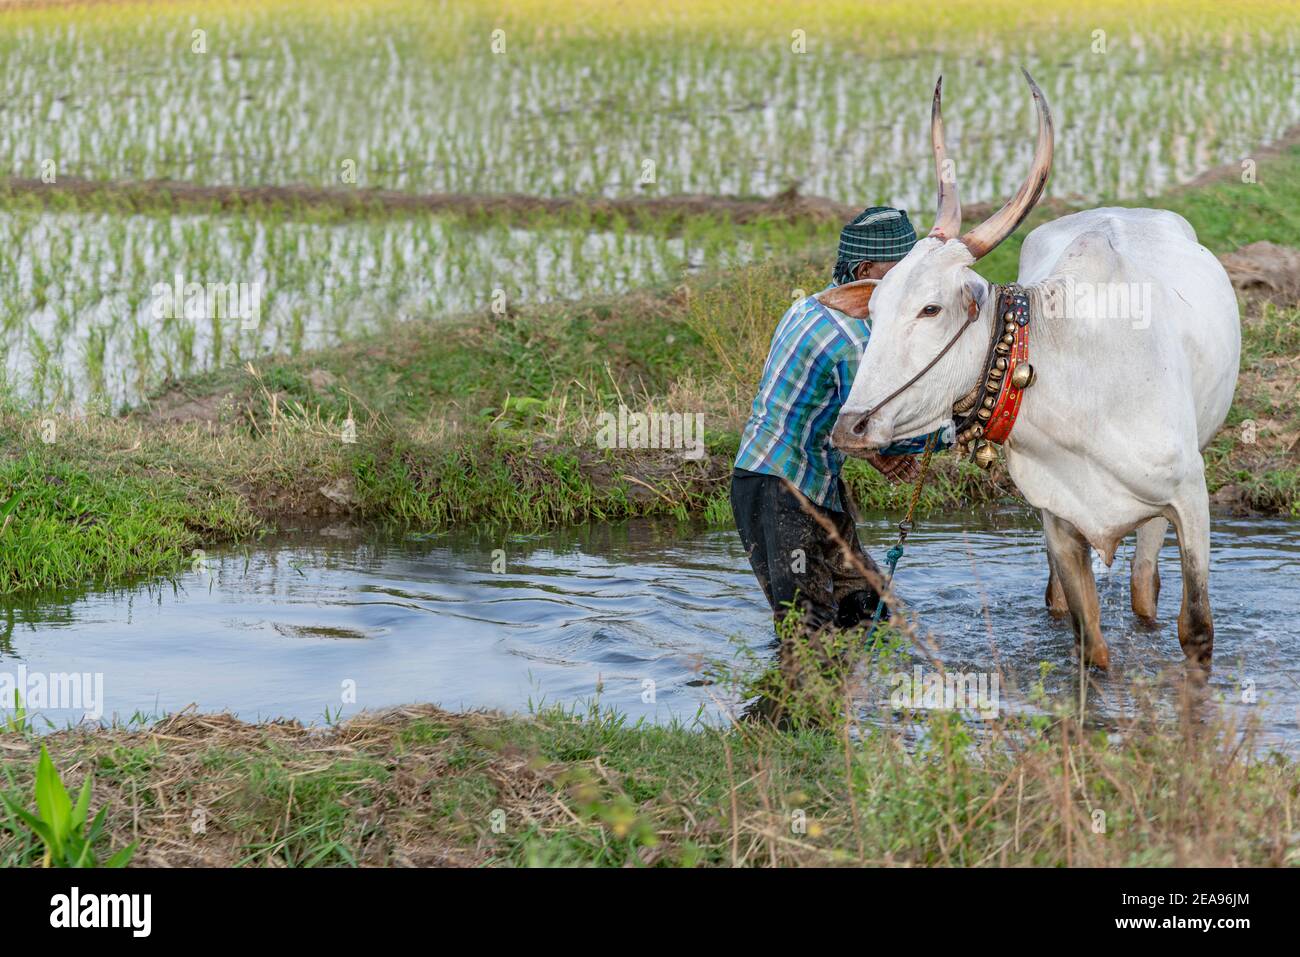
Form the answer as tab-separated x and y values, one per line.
1144	576
1191	515
1055	597
1072	562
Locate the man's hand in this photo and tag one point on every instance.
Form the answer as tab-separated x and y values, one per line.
896	468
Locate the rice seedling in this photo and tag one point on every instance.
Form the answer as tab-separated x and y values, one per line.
727	100
100	305
245	93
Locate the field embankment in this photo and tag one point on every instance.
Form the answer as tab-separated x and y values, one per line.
420	786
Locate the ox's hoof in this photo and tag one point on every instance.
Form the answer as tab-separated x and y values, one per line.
1196	635
1197	674
1199	657
1097	654
1055	598
1144	597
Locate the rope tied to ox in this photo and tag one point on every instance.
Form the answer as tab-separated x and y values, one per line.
893	556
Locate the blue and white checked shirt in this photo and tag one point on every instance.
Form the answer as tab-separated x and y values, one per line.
810	369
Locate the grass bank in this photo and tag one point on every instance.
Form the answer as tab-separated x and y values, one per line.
420	786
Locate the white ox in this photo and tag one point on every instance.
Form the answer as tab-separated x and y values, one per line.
1109	436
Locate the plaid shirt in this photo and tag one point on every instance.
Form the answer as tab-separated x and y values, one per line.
809	372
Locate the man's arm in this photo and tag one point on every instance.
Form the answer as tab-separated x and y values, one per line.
901	461
896	468
942	437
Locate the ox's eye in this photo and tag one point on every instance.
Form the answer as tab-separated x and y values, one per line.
930	310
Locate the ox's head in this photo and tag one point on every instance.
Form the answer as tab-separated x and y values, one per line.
924	301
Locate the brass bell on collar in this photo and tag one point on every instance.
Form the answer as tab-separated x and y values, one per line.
986	454
1024	376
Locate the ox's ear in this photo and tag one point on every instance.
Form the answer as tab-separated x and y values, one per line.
852	298
974	291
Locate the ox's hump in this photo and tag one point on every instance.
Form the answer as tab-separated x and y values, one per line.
1106	233
1090	253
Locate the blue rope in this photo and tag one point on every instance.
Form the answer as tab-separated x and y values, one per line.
904	529
891	559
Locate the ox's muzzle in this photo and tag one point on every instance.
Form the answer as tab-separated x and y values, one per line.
857	434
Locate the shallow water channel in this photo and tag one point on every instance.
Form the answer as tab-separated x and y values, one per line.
328	620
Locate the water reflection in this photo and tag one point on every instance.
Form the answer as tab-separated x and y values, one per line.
338	618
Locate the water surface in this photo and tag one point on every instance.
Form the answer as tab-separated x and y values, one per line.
336	619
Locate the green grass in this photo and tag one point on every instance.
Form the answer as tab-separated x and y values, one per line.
593	789
70	527
103	345
1226	213
488	417
443	437
1230	213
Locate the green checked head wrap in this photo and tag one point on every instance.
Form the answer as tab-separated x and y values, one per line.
877	234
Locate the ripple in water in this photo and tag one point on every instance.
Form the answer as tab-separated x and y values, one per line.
615	611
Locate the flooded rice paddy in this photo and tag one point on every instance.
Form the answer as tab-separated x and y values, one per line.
466	102
101	306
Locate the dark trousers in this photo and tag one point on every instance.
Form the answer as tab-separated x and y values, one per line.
796	561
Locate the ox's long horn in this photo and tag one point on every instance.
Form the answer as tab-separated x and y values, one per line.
947	221
983	238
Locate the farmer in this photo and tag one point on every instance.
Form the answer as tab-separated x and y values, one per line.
810	368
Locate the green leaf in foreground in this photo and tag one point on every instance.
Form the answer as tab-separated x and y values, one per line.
61	825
